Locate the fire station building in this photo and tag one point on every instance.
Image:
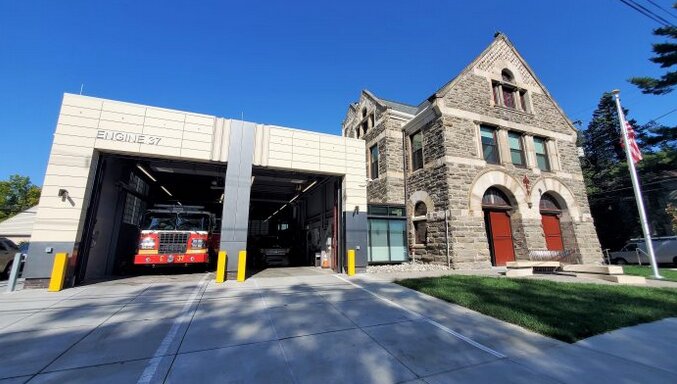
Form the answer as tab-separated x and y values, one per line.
111	161
482	172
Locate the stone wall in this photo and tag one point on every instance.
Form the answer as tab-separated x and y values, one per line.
388	188
467	103
455	176
431	180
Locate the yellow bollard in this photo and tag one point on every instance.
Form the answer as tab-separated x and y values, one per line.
58	272
351	262
242	266
221	267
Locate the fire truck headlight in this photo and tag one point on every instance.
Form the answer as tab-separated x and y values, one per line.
147	243
198	243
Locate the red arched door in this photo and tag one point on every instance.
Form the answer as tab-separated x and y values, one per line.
501	237
550	212
553	232
497	221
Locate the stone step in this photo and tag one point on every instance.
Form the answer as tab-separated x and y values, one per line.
590	268
531	264
519	272
621	279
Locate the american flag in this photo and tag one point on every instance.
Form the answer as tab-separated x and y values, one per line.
635	153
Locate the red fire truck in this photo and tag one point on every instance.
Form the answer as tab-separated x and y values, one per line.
173	235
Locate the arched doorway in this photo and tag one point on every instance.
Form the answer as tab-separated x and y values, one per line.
551	211
497	209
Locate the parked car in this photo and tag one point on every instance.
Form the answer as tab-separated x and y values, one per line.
7	251
635	252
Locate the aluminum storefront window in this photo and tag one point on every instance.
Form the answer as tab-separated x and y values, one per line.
387	234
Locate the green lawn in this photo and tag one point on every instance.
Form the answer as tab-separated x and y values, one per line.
646	271
564	311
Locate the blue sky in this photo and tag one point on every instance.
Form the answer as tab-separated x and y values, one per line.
299	63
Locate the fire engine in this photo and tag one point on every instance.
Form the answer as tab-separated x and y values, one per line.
172	235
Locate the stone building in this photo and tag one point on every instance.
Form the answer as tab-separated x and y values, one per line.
482	172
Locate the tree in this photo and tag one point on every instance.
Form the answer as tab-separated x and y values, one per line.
601	143
17	194
666	57
657	137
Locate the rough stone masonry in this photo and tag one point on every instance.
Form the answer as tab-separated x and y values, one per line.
500	91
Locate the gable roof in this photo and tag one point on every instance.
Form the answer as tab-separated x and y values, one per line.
401	107
501	37
19	224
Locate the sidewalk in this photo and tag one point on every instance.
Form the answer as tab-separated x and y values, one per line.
295	328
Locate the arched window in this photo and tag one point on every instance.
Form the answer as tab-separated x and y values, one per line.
548	203
495	198
420	223
506	94
420	209
506	75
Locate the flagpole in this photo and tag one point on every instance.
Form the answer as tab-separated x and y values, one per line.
635	186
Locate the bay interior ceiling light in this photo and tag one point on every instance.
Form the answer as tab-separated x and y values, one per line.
166	191
309	186
292	200
142	169
276	212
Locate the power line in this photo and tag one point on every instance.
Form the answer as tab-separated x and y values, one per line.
643	184
662	9
643	11
663	115
651	12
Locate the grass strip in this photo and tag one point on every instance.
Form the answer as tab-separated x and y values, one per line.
564	311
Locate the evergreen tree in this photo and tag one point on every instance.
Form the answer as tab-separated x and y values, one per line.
666	57
607	179
601	143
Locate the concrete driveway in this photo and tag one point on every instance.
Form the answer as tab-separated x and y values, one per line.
286	326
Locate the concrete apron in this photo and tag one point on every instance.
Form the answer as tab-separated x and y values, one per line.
297	329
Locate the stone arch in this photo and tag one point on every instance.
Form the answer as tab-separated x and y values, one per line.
502	181
418	225
421	196
559	191
565	219
500	65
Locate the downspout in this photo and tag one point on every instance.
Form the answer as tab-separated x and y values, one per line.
446	232
406	191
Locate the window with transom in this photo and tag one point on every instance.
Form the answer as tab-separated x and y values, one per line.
507	94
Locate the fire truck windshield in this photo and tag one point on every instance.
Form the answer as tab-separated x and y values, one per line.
161	221
193	222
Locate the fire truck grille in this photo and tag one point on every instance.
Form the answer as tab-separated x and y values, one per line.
173	242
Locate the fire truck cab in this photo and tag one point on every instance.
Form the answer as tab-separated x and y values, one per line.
176	235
